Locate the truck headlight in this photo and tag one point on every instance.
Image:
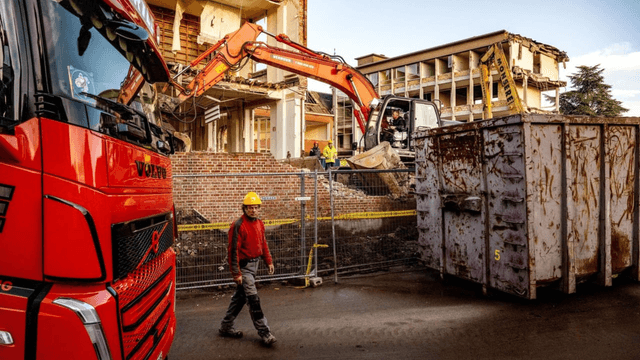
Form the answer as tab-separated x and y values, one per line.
6	338
92	324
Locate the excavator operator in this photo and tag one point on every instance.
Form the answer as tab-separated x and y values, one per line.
389	127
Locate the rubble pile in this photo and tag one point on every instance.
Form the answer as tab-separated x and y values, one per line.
342	190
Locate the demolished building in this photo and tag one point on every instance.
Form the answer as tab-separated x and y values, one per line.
450	74
256	108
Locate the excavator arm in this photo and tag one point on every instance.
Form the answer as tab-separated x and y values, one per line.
240	45
496	55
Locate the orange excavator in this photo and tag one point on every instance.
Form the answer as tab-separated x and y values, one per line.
373	113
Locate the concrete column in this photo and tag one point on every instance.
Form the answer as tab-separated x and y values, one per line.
252	135
524	88
277	124
277	23
215	135
557	100
392	75
294	121
421	75
211	136
234	134
286	126
470	88
453	87
247	130
406	82
436	89
259	145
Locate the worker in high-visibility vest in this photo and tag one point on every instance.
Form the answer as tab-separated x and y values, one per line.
330	153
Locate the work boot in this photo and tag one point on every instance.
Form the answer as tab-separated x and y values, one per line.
232	333
268	339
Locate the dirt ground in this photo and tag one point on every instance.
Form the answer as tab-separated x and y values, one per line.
416	315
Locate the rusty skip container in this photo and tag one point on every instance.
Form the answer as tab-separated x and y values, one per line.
530	200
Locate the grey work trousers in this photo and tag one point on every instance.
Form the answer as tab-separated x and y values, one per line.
246	293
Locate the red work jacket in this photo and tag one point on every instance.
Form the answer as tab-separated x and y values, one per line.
247	241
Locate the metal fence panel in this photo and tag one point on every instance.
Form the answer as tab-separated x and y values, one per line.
297	212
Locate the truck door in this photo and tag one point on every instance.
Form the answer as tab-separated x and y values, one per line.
20	187
20	161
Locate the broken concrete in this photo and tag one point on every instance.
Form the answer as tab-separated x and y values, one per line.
382	157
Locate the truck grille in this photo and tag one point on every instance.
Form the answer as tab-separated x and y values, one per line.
138	242
145	298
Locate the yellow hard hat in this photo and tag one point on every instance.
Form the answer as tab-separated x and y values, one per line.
330	141
252	199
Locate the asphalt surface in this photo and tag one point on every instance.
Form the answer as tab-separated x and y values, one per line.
416	315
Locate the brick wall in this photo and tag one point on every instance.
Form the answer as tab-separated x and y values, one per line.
219	198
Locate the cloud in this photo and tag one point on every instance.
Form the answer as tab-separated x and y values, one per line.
621	64
625	93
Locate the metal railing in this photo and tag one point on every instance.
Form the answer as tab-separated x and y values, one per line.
365	225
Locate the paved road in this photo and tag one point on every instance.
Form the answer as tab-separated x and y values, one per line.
415	315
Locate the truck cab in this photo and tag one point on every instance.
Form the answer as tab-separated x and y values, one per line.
86	210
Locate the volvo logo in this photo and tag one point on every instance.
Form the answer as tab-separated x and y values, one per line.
146	169
155	241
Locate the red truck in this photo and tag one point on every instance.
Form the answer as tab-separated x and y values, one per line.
86	210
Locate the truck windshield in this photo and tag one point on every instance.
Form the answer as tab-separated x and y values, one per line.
86	68
99	70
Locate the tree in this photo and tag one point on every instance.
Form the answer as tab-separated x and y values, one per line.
591	96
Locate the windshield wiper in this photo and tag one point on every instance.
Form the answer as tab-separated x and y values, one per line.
136	124
113	105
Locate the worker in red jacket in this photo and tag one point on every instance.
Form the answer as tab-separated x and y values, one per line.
247	244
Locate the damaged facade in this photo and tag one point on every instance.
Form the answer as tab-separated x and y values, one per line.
261	109
451	74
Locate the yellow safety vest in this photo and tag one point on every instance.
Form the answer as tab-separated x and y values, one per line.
330	153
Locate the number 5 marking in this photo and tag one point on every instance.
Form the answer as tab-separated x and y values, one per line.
497	255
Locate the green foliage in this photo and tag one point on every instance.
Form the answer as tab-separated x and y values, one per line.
591	96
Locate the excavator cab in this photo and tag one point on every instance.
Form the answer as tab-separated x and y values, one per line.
395	119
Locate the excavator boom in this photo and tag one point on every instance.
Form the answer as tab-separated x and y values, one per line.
241	45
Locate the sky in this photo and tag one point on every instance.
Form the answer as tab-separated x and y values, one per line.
590	32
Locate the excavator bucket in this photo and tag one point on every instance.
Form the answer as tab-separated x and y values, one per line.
382	157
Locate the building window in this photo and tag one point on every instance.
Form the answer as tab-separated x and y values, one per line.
399	74
344	127
385	77
413	72
373	78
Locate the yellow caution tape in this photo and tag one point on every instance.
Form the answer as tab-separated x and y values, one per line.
276	222
197	227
